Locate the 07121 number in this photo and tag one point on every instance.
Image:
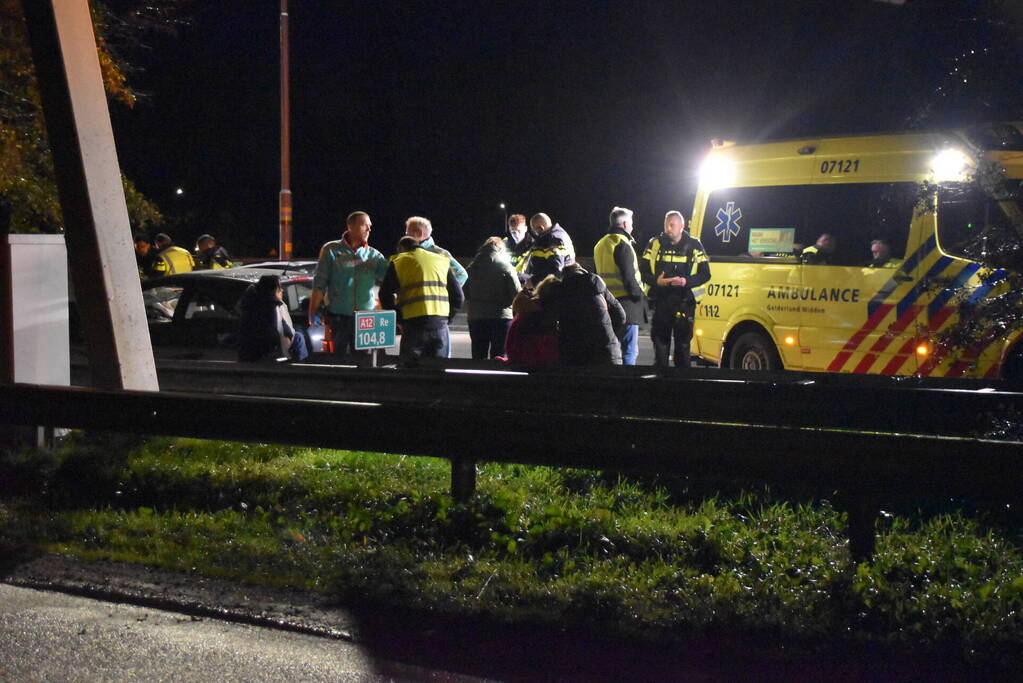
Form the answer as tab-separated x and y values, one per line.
840	166
714	289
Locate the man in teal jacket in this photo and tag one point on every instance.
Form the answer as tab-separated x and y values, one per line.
348	276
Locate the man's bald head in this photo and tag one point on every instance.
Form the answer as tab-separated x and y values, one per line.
540	223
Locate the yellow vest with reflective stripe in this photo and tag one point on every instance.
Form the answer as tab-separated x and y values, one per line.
604	258
173	260
422	283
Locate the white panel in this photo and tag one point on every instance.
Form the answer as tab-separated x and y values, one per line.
39	289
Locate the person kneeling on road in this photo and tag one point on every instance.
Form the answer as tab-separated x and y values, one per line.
424	290
265	331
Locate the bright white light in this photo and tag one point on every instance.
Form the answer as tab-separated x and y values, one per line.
716	172
949	165
502	207
179	191
472	371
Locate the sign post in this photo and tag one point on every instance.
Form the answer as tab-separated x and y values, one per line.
375	330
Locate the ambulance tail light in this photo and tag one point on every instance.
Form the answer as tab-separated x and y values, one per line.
923	350
950	165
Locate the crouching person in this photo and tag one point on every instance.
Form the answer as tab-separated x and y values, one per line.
265	331
424	290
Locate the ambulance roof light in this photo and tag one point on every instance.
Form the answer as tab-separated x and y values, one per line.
950	165
716	172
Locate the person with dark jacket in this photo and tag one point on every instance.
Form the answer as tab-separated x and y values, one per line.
145	256
552	250
674	264
588	318
265	330
211	256
519	240
617	264
489	292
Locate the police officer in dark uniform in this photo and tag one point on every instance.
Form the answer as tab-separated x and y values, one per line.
674	263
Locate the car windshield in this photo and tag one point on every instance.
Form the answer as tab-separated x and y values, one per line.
160	302
968	218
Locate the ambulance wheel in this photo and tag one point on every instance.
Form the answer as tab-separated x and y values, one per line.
754	351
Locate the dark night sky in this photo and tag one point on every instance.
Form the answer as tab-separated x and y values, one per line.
448	109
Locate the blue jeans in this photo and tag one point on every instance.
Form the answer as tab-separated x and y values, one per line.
298	350
629	339
423	339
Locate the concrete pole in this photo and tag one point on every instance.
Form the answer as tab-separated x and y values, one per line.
97	230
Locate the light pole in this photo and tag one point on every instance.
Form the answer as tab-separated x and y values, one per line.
504	210
284	246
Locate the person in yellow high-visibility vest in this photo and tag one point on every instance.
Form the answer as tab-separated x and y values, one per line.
423	288
618	265
170	259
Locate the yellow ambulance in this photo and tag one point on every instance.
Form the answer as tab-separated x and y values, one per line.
772	304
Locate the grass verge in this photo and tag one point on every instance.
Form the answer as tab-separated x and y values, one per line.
537	545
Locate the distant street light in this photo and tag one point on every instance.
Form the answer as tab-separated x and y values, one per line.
504	209
179	192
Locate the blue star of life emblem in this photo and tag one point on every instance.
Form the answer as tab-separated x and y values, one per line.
728	222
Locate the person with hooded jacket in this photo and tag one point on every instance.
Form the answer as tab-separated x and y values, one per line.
588	318
489	293
552	250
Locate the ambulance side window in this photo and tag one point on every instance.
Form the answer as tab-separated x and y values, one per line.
858	213
732	212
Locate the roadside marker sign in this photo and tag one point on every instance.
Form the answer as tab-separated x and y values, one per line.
374	329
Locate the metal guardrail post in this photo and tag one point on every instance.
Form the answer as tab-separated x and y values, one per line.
463	479
863	511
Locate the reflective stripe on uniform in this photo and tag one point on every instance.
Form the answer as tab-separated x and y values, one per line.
173	260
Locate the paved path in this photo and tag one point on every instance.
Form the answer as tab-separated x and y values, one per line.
52	636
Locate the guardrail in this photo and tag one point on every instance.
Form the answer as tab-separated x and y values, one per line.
868	403
869	466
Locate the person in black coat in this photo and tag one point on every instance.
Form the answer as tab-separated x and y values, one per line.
265	330
588	317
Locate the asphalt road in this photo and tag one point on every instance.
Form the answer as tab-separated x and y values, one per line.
53	636
462	348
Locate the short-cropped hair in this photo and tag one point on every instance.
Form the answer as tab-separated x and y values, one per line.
353	216
516	219
419	224
541	219
407	243
618	216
